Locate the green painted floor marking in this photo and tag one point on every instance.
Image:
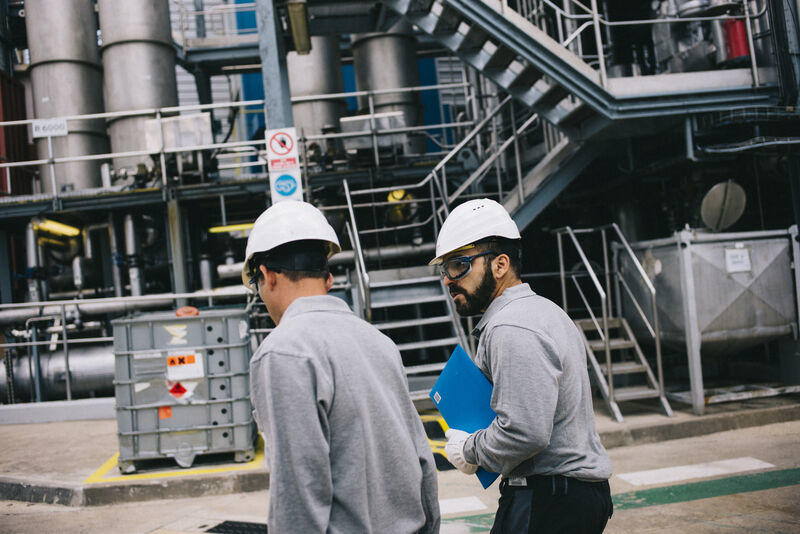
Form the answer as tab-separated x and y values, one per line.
672	494
706	489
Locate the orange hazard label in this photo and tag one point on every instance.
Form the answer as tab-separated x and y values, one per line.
164	412
180	360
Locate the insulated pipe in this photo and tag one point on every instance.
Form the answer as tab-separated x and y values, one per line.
32	263
66	79
116	273
91	370
132	256
138	68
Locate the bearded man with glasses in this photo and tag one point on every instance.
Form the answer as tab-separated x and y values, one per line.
543	440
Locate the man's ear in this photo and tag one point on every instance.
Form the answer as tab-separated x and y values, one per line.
329	282
270	277
500	266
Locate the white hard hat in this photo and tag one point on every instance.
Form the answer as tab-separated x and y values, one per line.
472	221
285	222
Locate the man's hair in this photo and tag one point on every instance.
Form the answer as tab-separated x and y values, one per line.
296	260
510	247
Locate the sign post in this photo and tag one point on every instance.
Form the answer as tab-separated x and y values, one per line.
285	178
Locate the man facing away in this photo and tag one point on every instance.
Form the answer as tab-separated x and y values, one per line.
543	440
347	451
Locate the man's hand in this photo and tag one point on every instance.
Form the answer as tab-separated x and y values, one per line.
455	451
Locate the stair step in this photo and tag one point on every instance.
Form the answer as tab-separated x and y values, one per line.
390	325
500	59
525	78
552	94
621	368
427	344
473	40
635	392
419	6
614	344
448	21
390	303
588	324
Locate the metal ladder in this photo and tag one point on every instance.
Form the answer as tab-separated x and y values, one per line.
610	335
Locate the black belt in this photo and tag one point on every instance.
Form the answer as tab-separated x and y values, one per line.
553	484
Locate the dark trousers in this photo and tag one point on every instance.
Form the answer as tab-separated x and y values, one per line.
553	504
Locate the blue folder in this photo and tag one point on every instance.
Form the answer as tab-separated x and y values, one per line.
462	394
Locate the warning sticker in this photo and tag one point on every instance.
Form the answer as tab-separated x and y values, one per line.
182	391
184	365
281	164
177	390
164	412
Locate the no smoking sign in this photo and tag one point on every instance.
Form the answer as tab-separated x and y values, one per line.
282	161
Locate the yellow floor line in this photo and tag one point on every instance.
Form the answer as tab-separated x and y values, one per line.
111	463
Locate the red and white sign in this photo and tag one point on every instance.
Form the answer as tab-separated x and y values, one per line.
286	182
282	149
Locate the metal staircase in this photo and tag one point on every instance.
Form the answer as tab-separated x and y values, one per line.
620	368
412	307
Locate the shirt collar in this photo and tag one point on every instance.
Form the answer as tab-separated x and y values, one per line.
315	303
510	294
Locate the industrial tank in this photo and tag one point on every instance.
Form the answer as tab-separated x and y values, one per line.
66	80
138	66
387	61
317	73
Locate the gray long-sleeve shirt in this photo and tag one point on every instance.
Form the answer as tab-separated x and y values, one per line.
535	358
346	449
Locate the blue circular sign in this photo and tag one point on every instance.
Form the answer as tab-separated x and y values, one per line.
285	185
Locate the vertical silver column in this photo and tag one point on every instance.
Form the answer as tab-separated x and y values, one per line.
388	61
32	263
316	73
112	243
138	68
277	99
176	245
132	256
690	323
66	80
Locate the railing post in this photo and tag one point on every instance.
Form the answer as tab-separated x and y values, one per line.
658	346
37	368
66	353
605	266
750	47
52	166
598	38
517	161
372	128
162	158
561	271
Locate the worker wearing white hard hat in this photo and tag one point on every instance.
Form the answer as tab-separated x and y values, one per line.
543	440
329	393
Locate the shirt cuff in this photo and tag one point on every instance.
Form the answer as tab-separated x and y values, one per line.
469	450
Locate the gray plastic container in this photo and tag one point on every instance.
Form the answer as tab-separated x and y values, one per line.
182	386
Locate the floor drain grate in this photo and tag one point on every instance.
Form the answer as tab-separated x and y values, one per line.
239	527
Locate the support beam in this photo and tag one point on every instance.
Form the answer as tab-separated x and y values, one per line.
277	98
176	244
6	269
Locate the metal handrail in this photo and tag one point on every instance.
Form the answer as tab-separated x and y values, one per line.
445	160
603	297
361	267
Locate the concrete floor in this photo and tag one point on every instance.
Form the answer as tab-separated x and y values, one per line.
774	510
50	462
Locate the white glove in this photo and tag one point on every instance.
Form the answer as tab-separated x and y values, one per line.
455	451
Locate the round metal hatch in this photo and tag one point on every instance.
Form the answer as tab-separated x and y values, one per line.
723	205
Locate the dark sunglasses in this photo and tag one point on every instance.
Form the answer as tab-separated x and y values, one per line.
460	266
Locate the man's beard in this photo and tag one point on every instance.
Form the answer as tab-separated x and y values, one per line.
478	301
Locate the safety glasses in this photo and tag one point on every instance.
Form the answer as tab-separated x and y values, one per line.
460	266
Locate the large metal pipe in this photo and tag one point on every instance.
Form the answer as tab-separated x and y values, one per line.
132	256
66	80
387	61
91	370
234	270
32	263
138	67
317	73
